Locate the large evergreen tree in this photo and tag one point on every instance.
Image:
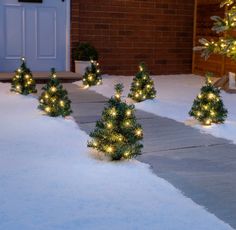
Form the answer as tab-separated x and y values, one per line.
23	82
54	100
142	87
92	75
208	107
225	27
117	133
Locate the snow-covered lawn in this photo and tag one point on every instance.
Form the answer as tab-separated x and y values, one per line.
49	181
175	95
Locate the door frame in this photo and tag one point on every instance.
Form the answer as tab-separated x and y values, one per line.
68	34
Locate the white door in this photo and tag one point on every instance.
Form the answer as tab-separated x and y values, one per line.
36	31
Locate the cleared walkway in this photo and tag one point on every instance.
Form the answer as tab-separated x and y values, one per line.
201	166
42	76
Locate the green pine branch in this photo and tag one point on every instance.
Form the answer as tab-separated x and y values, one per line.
226	44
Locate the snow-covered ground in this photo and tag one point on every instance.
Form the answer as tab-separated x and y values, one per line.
49	181
175	95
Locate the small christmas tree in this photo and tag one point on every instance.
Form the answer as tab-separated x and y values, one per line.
142	87
53	100
208	107
117	133
92	75
23	82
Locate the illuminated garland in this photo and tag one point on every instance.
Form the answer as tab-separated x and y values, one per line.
117	133
142	87
23	82
54	100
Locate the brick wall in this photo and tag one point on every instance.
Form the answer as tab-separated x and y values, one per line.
126	32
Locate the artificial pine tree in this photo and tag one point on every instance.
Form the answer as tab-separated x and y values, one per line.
142	87
117	133
92	75
54	100
226	27
23	82
208	107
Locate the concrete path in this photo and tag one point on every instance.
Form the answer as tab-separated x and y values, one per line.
44	76
201	166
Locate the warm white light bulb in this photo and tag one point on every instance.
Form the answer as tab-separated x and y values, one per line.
62	104
110	149
208	121
47	109
211	96
90	78
128	112
126	154
109	125
53	89
138	132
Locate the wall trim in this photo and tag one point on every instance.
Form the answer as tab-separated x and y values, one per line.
68	25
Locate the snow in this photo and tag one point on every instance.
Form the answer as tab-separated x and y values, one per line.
175	95
50	181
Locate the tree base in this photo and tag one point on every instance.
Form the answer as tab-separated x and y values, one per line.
223	83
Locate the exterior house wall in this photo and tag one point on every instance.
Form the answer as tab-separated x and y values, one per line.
217	64
126	32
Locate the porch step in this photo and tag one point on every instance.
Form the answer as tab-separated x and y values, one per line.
43	76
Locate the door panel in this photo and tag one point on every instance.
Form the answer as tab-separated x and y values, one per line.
35	31
46	24
14	45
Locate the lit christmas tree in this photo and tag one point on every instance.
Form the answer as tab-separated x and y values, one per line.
54	100
23	82
117	133
226	44
208	107
142	87
92	75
